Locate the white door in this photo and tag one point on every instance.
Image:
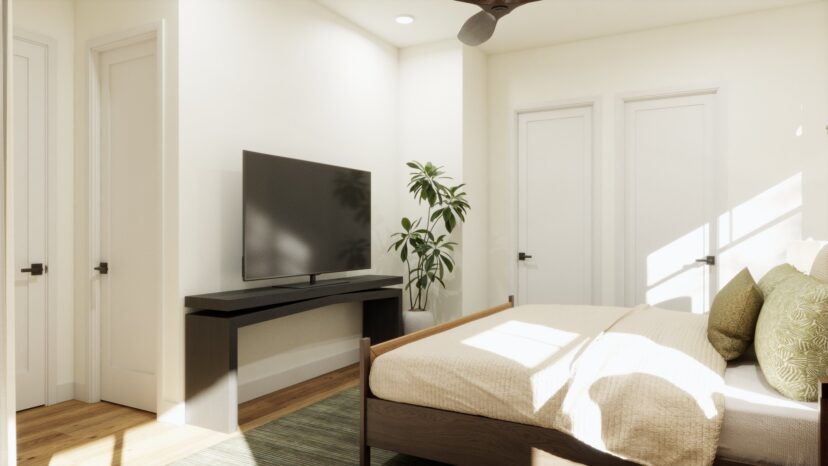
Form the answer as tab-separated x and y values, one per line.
670	218
130	221
30	156
555	206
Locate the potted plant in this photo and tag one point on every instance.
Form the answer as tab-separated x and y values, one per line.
424	245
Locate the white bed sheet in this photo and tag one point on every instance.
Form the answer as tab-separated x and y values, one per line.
761	426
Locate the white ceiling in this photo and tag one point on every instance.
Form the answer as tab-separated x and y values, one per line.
536	24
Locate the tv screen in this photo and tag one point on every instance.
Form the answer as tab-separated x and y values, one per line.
303	218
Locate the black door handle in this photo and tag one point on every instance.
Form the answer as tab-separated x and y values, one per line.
709	260
103	268
34	269
522	256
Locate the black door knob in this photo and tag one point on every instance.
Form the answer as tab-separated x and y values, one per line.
103	268
709	260
522	256
34	269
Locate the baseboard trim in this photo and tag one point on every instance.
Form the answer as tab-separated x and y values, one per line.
271	383
64	392
80	392
171	412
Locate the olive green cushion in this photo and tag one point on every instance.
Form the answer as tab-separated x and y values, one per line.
792	336
732	319
777	275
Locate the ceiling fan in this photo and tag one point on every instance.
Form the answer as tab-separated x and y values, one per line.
480	27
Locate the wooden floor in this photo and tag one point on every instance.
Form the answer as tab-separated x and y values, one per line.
79	433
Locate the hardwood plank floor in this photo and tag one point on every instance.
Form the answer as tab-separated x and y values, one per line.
77	433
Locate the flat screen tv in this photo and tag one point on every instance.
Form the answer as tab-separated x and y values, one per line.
303	218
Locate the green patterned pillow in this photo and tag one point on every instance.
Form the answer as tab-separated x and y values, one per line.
777	275
792	336
732	320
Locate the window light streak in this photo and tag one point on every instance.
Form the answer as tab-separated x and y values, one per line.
675	256
766	222
548	381
763	209
684	292
527	344
766	400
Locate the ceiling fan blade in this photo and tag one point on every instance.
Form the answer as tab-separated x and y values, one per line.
478	29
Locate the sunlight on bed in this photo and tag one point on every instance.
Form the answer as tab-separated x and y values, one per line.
525	343
623	354
551	350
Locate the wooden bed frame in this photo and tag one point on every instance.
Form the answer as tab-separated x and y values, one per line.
464	439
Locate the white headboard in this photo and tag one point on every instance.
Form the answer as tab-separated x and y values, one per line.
801	254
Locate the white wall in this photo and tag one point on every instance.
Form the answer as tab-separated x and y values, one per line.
443	106
431	130
288	78
95	19
772	68
55	19
475	242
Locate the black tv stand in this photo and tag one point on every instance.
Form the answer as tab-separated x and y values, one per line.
211	333
313	283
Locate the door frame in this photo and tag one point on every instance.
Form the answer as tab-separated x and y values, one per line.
53	394
8	428
94	48
623	260
594	103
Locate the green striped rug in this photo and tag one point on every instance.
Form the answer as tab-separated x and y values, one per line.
326	433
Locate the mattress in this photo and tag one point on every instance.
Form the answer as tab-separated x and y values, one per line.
763	427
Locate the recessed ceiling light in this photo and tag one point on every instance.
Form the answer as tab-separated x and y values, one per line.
404	19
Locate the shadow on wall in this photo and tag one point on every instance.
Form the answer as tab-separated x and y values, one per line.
754	233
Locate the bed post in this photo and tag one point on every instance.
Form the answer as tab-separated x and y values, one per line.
823	421
364	369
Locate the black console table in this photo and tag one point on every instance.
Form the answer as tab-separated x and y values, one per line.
212	334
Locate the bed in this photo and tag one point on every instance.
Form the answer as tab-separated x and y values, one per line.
570	384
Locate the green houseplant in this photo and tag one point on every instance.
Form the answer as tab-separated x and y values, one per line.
423	244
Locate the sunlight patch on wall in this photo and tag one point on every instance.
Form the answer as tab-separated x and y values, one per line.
756	233
753	234
767	207
675	280
676	256
683	291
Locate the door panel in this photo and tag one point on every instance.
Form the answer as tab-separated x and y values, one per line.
555	206
30	155
130	225
670	201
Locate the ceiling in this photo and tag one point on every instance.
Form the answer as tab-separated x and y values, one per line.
536	24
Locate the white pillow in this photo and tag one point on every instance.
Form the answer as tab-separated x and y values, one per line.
820	268
801	254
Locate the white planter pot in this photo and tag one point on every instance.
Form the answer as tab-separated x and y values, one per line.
417	320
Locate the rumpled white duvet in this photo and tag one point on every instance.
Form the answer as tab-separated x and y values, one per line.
643	384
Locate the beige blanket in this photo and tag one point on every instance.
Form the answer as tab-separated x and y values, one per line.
643	384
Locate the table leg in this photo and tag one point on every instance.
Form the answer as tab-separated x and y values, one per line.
382	318
211	364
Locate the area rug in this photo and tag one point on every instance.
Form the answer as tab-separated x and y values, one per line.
326	433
